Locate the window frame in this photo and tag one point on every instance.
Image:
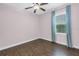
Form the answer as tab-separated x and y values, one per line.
57	24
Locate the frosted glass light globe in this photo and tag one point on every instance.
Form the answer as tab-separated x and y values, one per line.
36	7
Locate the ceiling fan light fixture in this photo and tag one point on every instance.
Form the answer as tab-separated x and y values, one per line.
36	7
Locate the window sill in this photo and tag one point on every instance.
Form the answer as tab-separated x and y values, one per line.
61	33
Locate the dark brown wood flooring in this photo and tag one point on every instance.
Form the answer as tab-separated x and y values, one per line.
40	47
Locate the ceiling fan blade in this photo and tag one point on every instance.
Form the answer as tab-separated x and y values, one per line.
29	7
42	9
37	3
43	3
35	11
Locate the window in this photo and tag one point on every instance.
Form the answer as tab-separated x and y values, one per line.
61	23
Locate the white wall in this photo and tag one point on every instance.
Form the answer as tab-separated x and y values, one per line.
46	27
75	24
45	23
17	27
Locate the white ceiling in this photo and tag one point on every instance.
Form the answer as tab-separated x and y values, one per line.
22	6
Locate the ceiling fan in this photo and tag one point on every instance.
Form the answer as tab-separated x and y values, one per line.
37	6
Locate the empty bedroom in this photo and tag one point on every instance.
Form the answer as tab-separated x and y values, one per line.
39	29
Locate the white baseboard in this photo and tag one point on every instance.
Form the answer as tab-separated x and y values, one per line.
77	47
61	43
47	39
16	44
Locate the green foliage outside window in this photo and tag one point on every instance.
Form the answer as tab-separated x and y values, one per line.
61	28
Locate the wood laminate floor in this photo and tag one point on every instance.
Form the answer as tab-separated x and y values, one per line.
40	47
